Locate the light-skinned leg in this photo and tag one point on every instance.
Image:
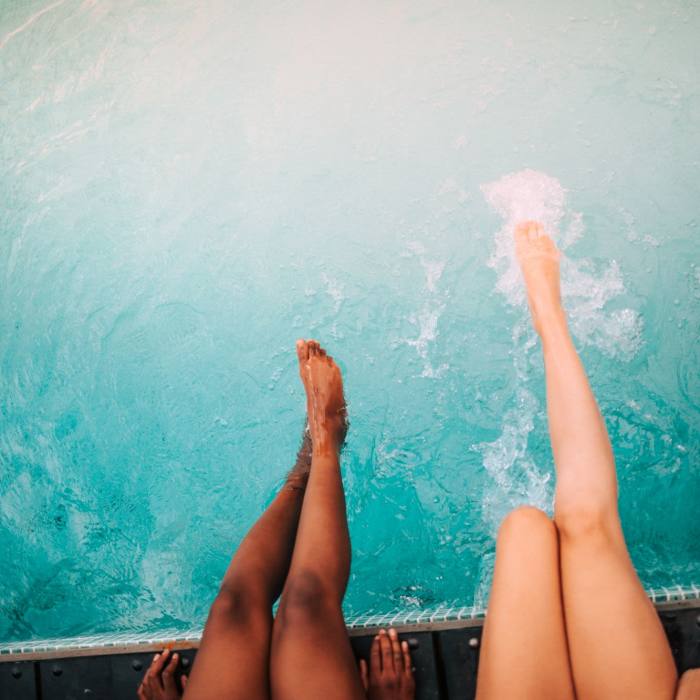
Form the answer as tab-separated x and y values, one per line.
617	645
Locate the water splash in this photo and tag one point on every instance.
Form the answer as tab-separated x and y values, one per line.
586	290
426	319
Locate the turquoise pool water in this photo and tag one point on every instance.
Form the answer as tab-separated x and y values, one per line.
187	187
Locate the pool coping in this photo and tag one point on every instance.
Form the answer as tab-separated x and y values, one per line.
429	620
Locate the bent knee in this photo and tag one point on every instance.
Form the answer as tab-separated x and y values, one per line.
239	604
583	519
689	685
527	522
306	597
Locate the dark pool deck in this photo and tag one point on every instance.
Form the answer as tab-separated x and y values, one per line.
445	656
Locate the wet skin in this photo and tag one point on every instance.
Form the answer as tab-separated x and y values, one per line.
300	543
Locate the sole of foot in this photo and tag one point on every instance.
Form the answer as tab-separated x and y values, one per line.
539	258
325	400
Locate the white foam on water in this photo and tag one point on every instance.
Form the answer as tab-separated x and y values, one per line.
516	477
335	291
426	319
521	196
586	290
527	195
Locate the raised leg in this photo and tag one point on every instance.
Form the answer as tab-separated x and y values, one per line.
311	653
524	653
233	658
617	645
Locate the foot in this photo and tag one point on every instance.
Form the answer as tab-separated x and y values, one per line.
539	260
159	683
390	674
325	402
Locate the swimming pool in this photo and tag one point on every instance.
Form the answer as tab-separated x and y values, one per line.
190	186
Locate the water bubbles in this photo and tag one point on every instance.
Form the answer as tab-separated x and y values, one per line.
522	196
427	317
587	288
527	195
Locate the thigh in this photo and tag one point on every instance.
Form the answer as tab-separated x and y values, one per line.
311	655
617	644
524	652
689	685
233	658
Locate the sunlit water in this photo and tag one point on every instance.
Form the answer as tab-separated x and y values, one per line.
187	187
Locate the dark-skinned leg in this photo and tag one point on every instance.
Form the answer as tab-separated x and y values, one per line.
232	662
311	654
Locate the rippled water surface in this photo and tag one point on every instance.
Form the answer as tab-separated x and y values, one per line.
187	187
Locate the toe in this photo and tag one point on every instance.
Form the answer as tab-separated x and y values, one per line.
550	244
302	350
521	232
407	663
375	657
364	674
397	656
387	654
169	674
546	245
157	664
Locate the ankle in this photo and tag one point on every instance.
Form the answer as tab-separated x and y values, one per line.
326	447
551	323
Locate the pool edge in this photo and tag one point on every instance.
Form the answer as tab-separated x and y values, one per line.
429	620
